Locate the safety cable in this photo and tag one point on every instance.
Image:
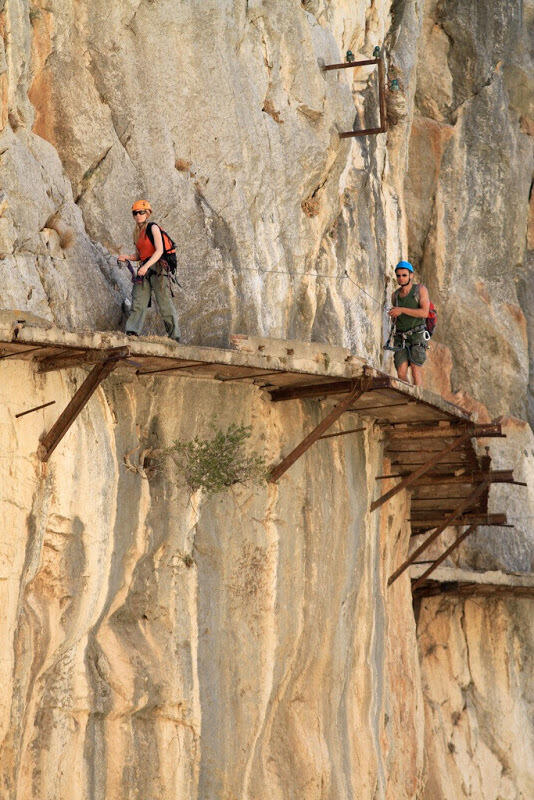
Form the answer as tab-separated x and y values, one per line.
312	275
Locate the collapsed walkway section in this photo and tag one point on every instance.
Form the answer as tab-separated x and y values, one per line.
467	583
428	442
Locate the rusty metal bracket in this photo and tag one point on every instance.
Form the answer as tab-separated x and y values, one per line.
381	95
359	387
50	441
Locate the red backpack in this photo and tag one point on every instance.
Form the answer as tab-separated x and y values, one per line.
431	320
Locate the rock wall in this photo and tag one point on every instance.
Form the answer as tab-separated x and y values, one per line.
245	646
166	645
479	738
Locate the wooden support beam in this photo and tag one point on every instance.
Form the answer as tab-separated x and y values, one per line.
358	388
444	555
420	471
341	433
494	476
391	428
21	353
74	359
376	408
178	367
351	64
433	588
425	432
363	132
50	441
254	375
445	524
341	386
410	463
466	519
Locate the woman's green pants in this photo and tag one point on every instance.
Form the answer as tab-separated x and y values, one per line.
142	292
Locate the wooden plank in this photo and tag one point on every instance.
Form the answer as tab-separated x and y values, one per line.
430	503
363	132
377	408
51	440
435	432
444	524
359	387
460	459
432	520
307	391
466	519
341	433
21	353
495	476
444	555
243	377
429	464
433	588
351	64
175	368
422	414
73	359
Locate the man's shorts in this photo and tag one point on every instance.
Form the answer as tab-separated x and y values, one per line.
415	353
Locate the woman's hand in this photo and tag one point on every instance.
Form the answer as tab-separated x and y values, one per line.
124	257
142	271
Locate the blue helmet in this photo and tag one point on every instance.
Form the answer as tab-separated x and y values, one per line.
404	265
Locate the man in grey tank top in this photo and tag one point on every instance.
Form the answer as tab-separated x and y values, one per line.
411	305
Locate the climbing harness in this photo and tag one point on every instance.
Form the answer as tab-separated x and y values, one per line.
405	337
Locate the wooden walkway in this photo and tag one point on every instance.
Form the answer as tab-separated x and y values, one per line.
428	442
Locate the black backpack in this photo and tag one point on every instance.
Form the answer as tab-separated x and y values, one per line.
169	247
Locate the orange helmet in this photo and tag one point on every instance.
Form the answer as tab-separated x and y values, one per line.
141	205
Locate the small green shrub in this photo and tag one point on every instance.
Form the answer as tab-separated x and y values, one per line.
217	463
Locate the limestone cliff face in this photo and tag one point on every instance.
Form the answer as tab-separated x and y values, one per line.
245	646
162	645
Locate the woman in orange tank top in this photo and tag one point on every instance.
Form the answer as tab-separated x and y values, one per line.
152	275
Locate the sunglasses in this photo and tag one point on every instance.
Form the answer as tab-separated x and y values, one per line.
135	213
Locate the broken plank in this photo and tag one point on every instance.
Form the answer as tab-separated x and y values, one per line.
457	542
449	520
433	588
428	465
